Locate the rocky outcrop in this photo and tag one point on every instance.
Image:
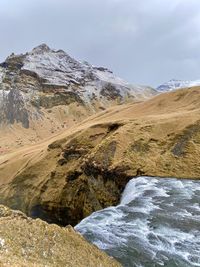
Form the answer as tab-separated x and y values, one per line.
48	101
78	186
28	242
13	108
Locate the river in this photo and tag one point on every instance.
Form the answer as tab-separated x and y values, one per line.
157	223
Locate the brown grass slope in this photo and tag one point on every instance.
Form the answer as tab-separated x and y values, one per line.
86	168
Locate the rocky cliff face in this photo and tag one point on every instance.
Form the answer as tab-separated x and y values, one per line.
44	78
26	242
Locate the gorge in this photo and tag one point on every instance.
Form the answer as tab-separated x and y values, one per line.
73	136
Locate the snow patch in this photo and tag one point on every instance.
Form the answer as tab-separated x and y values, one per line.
2	242
177	84
1	74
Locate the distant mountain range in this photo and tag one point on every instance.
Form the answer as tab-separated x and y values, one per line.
176	84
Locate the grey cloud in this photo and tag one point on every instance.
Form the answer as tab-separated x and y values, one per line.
143	41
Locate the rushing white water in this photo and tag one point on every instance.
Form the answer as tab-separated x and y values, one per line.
156	224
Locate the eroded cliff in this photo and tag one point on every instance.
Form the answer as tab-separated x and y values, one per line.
86	169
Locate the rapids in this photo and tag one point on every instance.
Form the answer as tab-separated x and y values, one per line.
157	223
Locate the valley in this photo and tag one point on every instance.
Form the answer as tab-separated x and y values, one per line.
86	167
72	136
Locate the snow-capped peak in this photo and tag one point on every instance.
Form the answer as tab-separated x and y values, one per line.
57	68
41	48
47	78
177	84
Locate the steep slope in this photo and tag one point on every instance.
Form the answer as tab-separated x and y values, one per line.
86	168
27	242
177	84
45	91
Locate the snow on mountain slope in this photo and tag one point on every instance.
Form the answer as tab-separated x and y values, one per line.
1	74
59	69
56	67
177	84
48	81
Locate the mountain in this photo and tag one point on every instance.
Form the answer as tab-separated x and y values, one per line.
177	84
45	91
85	168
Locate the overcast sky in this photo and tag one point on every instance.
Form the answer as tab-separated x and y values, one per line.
142	41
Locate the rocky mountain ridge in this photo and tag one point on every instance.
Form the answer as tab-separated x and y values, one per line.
46	78
45	91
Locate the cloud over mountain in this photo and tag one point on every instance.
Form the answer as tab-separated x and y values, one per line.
142	41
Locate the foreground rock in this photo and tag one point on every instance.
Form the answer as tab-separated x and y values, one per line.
27	242
87	168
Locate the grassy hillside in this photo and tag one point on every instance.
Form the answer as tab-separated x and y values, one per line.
85	168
